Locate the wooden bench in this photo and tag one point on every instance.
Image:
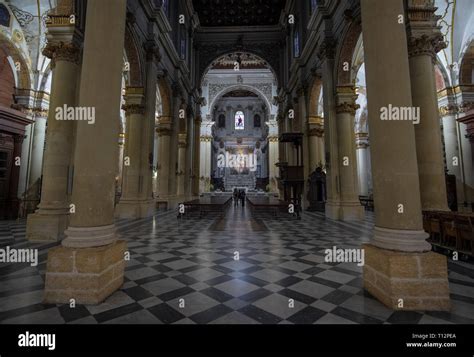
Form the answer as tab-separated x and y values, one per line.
210	204
450	231
267	204
367	202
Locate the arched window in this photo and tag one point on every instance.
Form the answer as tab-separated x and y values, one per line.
4	16
256	121
221	121
296	43
239	120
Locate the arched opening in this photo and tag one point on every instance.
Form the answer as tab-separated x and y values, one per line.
238	114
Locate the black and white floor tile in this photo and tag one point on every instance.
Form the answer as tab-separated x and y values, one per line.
191	261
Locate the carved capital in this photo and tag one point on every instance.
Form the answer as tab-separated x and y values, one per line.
62	51
346	107
319	132
163	131
426	45
346	100
152	51
450	109
206	138
327	49
133	109
182	141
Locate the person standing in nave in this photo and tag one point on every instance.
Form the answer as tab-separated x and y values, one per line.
242	197
236	197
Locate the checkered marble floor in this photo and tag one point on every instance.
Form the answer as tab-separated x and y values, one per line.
184	271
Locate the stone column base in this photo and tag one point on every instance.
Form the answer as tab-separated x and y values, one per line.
407	281
344	211
46	227
87	275
135	209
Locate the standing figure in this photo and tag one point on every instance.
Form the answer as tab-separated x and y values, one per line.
236	197
242	198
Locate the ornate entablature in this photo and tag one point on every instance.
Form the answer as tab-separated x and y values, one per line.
268	51
216	88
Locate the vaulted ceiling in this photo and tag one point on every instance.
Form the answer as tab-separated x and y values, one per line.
213	13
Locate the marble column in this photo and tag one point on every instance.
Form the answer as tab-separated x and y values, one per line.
89	265
316	142
156	152
363	164
13	201
350	207
164	138
181	175
196	154
400	270
37	150
132	204
453	156
148	130
205	169
272	161
466	131
326	55
51	218
424	41
173	148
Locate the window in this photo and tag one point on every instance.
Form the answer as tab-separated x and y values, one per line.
256	121
314	5
296	44
239	120
4	16
165	6
183	49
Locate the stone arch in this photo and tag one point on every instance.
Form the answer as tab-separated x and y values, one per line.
204	67
232	88
439	68
23	79
314	97
134	58
165	93
465	66
352	39
45	78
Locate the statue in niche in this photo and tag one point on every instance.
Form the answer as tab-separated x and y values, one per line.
221	121
256	121
317	190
